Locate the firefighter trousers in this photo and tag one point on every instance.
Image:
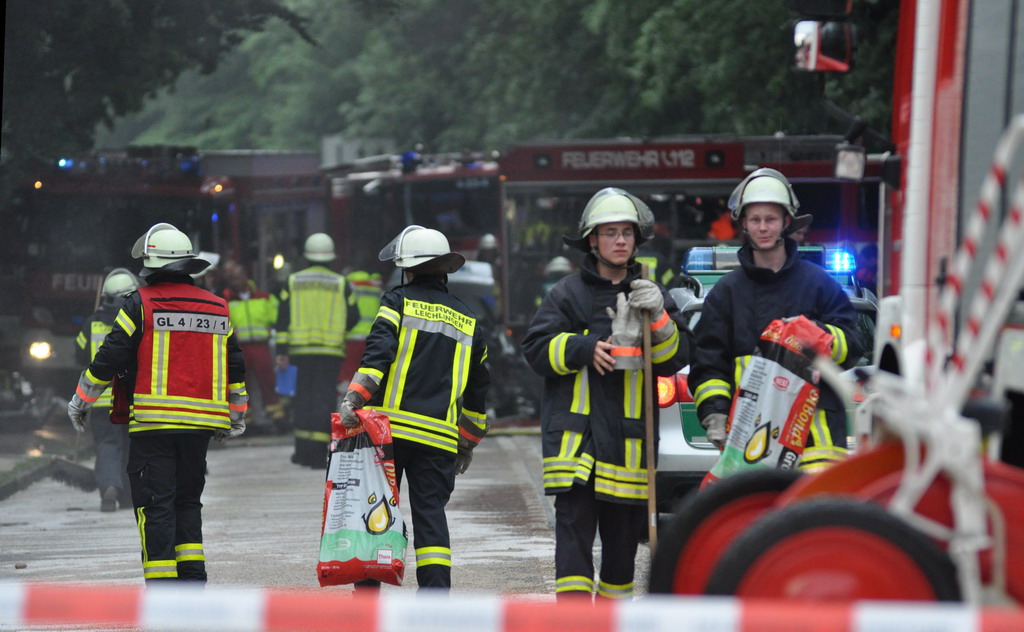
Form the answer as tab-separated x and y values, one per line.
579	516
111	443
168	473
826	441
431	478
316	397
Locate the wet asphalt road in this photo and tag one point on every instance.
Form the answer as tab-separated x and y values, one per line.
262	525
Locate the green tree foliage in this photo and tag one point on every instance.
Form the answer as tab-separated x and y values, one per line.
72	64
452	74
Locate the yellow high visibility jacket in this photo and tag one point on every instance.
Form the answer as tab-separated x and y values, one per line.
254	316
317	310
367	290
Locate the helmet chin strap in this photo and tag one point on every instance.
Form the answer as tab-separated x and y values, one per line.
614	266
753	242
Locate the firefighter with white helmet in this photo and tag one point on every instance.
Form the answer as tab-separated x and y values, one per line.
773	282
110	440
424	368
176	360
585	341
318	310
768	186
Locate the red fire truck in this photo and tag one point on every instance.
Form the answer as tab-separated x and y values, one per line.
78	218
686	182
374	198
954	94
935	505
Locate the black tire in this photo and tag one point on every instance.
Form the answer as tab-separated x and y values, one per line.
827	519
696	507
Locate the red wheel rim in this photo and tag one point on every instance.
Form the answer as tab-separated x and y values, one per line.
835	563
703	549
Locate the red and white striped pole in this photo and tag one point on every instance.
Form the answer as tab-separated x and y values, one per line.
964	262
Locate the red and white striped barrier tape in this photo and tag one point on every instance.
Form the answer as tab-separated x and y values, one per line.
259	610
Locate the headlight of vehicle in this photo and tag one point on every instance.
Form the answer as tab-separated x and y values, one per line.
40	350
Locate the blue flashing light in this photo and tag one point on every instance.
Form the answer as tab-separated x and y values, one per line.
840	260
215	217
698	259
65	163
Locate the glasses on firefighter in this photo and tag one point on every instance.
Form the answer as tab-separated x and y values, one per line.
615	234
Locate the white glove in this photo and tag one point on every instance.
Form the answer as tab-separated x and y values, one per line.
78	411
464	456
626	335
646	295
714	424
349	418
236	430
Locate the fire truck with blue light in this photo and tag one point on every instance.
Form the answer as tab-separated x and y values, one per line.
930	506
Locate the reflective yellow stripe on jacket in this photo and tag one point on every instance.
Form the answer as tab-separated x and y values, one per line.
561	471
421	318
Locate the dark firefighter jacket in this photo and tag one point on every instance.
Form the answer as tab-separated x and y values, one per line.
121	350
594	424
426	351
742	303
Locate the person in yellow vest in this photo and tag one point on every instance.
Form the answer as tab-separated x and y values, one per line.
110	440
367	289
253	315
318	308
184	376
424	367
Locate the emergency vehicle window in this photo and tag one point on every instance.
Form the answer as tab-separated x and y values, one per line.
462	210
823	201
867	206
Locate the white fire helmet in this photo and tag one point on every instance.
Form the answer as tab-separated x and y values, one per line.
164	247
487	242
558	265
319	248
613	205
768	185
119	282
423	251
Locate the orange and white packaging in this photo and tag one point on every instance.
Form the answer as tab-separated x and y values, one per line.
774	406
362	533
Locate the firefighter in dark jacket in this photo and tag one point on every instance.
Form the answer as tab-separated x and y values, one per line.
173	344
318	310
110	440
424	368
585	341
773	282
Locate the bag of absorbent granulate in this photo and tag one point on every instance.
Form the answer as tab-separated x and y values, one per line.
774	405
362	535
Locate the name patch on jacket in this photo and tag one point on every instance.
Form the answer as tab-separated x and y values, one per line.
440	313
190	321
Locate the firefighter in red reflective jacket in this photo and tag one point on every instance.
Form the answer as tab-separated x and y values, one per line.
173	344
424	368
591	417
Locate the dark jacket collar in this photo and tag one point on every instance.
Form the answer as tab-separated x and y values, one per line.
767	275
588	270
